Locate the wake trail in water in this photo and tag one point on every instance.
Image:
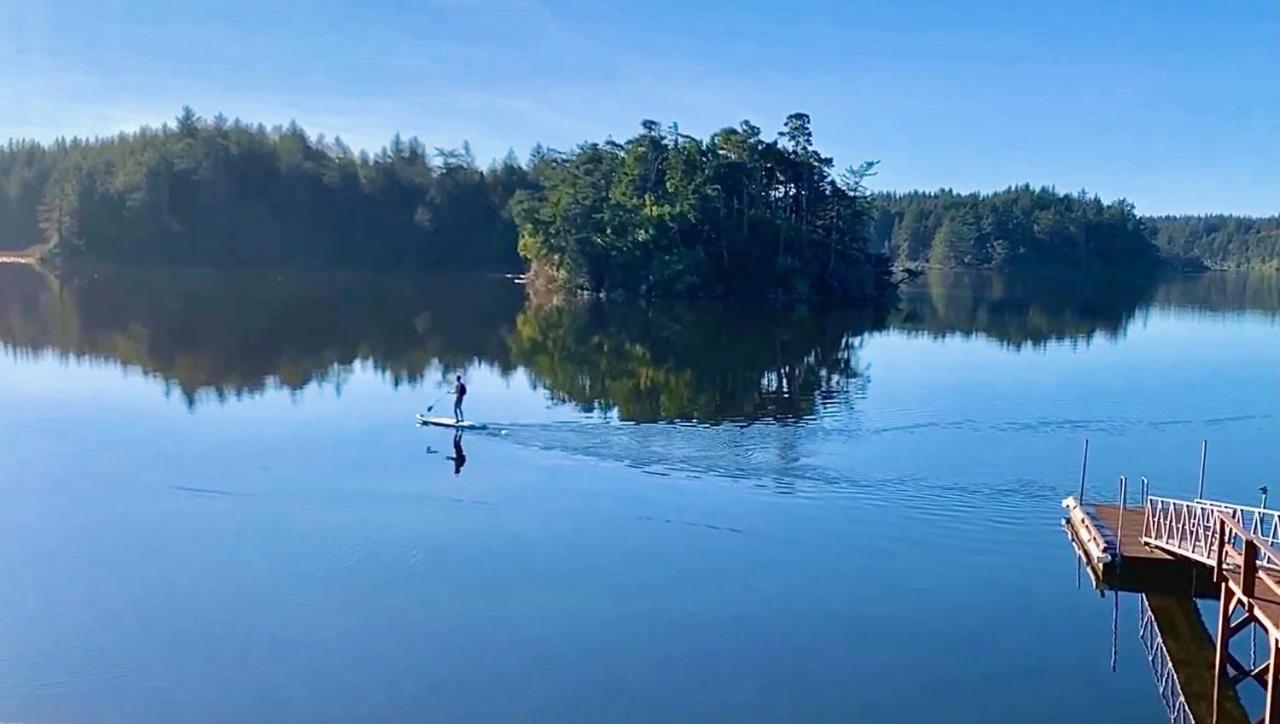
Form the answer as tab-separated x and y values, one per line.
771	458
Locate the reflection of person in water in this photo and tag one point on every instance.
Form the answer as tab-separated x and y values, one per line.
459	457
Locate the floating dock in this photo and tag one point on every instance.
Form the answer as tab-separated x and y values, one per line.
1108	539
1174	551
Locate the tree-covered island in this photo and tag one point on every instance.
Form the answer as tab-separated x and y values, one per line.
734	215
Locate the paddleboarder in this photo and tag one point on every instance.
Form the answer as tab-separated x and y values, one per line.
459	392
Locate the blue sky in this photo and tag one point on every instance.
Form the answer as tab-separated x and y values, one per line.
1173	105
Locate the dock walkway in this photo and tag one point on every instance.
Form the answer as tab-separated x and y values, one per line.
1197	549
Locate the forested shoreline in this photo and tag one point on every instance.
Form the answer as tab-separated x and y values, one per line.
1026	227
222	192
660	214
1020	227
1220	241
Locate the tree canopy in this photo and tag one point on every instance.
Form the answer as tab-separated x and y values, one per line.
667	214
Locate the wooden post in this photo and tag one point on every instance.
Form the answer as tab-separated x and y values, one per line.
1124	489
1084	468
1249	569
1219	566
1204	454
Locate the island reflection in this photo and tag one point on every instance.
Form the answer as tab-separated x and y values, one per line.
221	335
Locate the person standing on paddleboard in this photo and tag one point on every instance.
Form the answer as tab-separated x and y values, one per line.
459	392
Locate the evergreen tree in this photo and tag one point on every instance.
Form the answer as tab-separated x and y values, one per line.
953	244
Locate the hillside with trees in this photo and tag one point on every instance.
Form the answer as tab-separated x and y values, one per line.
226	193
734	215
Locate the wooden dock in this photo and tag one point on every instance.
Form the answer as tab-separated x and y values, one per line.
1108	539
1177	551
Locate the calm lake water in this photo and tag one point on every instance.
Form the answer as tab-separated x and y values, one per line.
216	506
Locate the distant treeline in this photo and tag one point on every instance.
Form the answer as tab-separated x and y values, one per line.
1026	227
1220	241
1020	227
225	193
662	213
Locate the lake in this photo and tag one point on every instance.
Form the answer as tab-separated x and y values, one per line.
216	506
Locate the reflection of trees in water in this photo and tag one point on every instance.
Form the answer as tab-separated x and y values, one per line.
31	316
1030	309
1223	291
1020	310
686	362
235	333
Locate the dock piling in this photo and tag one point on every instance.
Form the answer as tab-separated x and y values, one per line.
1124	493
1204	454
1084	469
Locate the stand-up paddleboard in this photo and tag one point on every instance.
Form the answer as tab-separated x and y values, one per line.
450	422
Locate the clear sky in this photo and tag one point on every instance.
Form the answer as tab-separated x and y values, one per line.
1171	104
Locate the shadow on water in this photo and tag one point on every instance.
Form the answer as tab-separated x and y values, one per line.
219	334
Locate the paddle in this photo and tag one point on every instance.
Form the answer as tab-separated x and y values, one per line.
432	406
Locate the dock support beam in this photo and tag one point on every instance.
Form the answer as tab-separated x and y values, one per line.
1230	672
